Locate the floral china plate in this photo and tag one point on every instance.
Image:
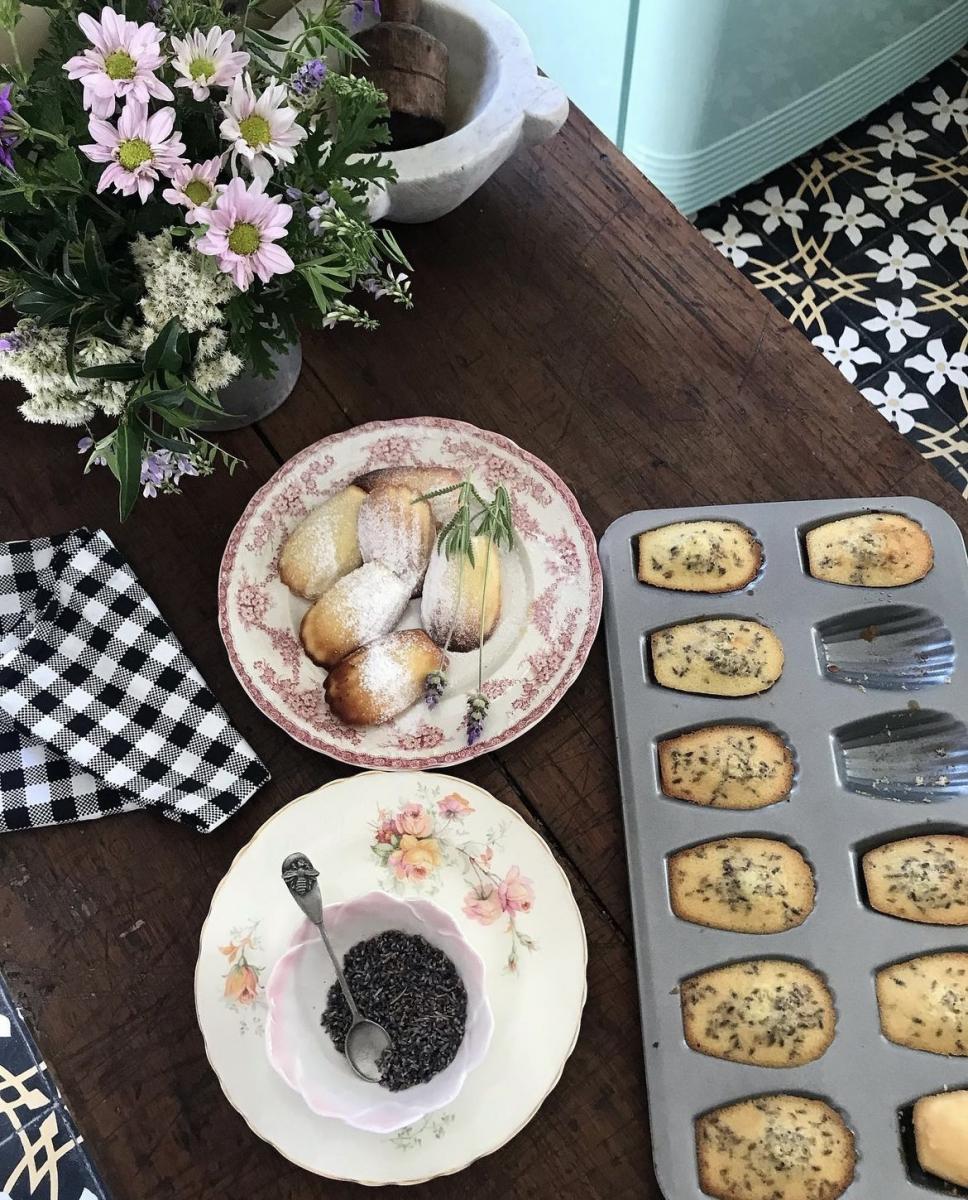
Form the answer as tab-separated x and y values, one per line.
551	597
412	835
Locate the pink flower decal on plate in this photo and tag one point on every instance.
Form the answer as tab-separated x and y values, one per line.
420	839
414	819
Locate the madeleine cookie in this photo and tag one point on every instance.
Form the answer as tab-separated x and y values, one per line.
941	1135
379	681
742	884
357	609
726	766
768	1012
324	546
458	594
397	530
421	480
699	556
720	657
920	879
923	1003
870	550
775	1148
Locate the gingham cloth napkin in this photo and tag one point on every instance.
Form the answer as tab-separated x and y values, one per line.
100	709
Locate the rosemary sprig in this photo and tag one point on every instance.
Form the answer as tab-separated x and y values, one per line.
473	517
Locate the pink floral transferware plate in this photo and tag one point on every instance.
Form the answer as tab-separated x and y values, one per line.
551	597
296	994
418	837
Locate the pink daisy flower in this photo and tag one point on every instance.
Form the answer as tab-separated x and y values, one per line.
206	60
242	231
138	150
195	187
260	127
122	63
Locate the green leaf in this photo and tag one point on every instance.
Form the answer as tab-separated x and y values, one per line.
128	442
175	417
74	326
163	353
117	372
94	261
205	403
67	165
175	445
164	397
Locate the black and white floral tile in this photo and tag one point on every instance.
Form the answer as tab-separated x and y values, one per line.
862	244
42	1154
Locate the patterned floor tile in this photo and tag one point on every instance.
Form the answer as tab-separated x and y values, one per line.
862	243
42	1156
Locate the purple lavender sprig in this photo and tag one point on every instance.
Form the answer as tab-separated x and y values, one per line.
359	11
8	136
434	687
309	78
477	706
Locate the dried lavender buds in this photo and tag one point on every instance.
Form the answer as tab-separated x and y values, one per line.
414	991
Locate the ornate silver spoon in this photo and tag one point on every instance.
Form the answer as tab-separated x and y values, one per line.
366	1042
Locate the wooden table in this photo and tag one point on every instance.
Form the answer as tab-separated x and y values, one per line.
568	306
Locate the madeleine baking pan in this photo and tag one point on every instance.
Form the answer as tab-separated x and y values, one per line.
873	700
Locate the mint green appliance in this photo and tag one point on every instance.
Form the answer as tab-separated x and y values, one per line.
707	95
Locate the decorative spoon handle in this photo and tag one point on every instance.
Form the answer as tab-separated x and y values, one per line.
301	878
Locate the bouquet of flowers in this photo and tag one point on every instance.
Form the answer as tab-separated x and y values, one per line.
178	189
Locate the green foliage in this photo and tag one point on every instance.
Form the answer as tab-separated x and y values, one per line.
65	249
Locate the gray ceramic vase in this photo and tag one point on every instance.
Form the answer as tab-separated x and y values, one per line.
249	398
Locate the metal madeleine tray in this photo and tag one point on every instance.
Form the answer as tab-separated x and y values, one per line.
903	700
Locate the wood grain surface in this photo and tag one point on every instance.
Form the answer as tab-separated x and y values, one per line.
568	306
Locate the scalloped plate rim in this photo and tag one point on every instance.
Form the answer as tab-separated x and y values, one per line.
371	1183
429	760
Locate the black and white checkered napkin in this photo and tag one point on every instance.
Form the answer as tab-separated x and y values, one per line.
100	709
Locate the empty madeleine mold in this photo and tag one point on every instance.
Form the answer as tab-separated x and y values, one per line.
916	755
888	647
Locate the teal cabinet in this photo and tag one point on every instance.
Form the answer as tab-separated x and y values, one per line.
707	95
583	47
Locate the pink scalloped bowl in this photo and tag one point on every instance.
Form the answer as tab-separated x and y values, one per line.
302	1052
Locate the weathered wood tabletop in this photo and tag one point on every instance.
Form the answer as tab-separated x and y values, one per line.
568	306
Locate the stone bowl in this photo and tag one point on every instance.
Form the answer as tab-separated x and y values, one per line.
496	102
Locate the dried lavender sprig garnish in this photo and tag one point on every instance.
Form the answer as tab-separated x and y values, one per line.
477	706
434	687
493	520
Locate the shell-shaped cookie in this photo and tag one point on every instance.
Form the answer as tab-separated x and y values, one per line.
379	681
920	879
941	1135
923	1003
458	593
721	657
742	884
357	609
780	1147
870	550
767	1012
727	766
397	529
699	556
324	545
421	480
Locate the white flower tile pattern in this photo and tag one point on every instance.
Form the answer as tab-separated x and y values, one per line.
862	244
42	1154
